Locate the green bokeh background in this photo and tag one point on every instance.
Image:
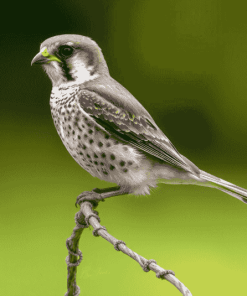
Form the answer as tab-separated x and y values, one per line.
186	62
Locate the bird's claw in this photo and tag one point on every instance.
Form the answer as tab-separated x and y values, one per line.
91	196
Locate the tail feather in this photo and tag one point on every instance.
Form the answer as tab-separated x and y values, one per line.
227	187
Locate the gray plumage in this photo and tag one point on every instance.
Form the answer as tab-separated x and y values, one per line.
106	130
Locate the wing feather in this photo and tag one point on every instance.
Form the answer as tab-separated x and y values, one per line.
130	123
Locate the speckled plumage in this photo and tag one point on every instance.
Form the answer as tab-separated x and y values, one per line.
94	149
105	129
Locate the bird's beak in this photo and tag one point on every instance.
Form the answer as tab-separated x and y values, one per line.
43	57
39	59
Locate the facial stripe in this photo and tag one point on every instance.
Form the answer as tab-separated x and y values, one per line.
67	71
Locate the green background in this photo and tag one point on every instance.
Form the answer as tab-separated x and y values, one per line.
186	62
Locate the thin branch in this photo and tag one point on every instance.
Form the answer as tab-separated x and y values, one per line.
72	260
87	216
147	265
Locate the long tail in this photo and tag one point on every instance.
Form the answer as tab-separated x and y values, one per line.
227	187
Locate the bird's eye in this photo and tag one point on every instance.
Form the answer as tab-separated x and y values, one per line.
65	51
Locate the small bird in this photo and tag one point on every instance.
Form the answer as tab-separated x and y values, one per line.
106	130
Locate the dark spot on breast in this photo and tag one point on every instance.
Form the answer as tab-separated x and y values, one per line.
90	131
69	118
83	126
85	136
65	119
73	132
88	156
85	118
108	145
100	144
125	170
107	136
79	129
102	163
79	137
103	155
69	127
130	162
77	119
105	172
122	163
81	153
95	155
96	162
97	129
91	141
113	156
112	167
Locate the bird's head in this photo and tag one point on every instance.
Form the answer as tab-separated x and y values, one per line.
71	59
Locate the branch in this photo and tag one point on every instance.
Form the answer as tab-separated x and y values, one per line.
74	252
87	216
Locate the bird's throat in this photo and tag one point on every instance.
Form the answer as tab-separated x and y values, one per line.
72	73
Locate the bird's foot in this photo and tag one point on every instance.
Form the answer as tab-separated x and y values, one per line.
97	195
92	196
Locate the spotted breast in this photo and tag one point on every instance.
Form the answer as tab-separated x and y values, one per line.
92	147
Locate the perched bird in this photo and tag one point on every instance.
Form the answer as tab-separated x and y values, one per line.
106	130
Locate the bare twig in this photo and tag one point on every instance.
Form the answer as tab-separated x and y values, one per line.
87	216
92	219
72	259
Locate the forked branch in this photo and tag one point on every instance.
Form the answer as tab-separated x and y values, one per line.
87	216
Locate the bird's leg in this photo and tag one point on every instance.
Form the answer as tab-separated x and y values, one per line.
97	195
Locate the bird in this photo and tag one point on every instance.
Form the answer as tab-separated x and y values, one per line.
106	129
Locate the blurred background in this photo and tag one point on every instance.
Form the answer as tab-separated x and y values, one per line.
186	62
